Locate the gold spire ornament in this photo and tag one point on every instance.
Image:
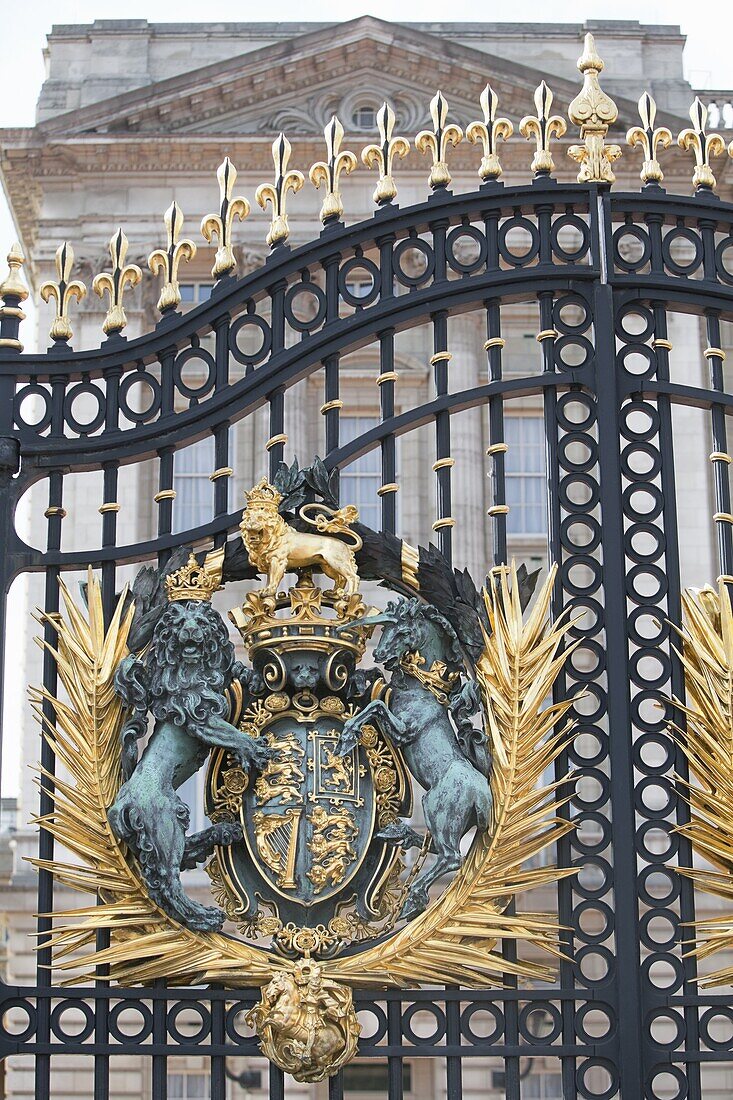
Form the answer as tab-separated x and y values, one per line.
703	145
114	283
220	225
489	133
593	111
542	127
166	261
14	291
276	193
437	140
650	138
62	292
329	171
381	156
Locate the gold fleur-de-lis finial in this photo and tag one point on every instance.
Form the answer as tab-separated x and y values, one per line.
382	155
220	225
276	193
593	111
329	171
489	133
62	292
166	261
114	282
650	138
437	140
542	127
703	145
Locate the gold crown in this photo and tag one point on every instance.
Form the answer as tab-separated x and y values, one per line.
193	581
264	493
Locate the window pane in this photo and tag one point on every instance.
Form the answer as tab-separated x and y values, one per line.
194	503
526	484
360	480
175	1086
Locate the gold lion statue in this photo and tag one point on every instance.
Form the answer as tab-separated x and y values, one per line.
275	548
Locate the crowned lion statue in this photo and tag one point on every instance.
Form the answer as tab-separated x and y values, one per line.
276	548
181	682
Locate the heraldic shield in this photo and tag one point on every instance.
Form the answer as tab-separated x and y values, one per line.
322	874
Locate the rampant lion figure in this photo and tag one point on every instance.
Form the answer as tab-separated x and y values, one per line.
181	682
276	548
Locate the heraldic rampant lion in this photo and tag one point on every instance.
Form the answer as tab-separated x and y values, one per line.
181	681
276	548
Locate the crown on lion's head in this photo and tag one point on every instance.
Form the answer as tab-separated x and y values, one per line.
264	493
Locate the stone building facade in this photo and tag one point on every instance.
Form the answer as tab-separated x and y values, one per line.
132	114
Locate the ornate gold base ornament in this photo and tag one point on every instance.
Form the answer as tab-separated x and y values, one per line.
307	789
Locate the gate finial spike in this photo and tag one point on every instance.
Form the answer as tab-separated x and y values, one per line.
13	291
382	155
276	193
220	225
542	127
166	261
115	281
650	138
329	171
62	292
703	145
488	133
593	111
437	140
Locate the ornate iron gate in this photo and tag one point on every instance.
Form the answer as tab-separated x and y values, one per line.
626	1016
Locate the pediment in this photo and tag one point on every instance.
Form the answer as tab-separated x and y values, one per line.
297	84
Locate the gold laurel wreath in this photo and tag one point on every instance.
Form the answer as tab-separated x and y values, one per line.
707	744
453	941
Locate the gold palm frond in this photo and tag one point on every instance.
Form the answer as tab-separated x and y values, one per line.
707	743
145	942
453	941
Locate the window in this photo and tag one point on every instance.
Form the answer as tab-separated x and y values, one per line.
193	505
188	1086
360	480
373	1077
543	1086
192	294
526	482
364	118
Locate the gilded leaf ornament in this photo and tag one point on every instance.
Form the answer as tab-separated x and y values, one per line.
381	156
437	141
489	132
328	171
707	744
114	282
703	145
542	127
166	261
650	138
593	111
276	193
62	291
220	225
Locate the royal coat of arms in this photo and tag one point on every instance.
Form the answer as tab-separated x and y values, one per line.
325	872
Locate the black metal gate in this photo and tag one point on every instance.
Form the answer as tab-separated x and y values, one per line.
626	1016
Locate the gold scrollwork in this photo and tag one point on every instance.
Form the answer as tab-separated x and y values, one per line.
542	127
114	282
437	140
276	193
166	261
489	133
703	145
329	171
650	138
382	155
220	225
62	291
